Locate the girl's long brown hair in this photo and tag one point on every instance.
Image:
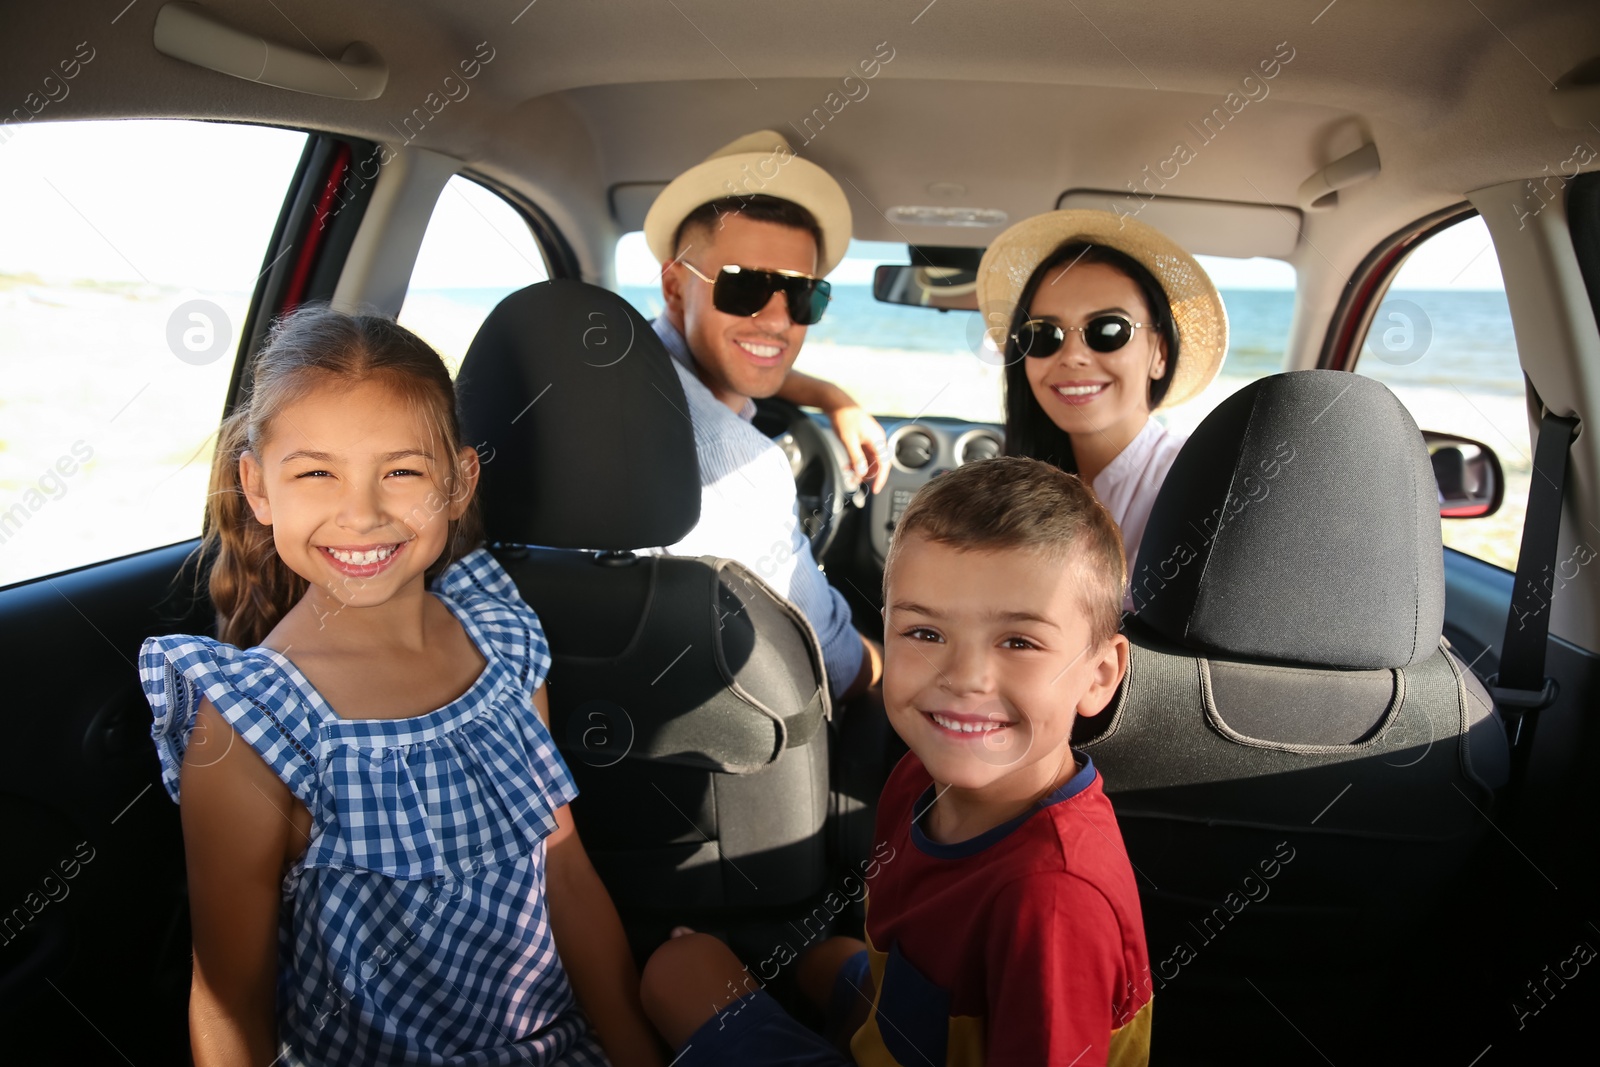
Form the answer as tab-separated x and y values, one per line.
315	347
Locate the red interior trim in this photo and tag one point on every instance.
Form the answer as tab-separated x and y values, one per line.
1377	277
295	291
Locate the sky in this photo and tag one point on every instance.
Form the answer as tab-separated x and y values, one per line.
193	204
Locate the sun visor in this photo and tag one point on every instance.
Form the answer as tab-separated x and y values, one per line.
630	203
1203	227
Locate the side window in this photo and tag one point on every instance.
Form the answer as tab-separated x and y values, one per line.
477	249
126	272
1442	340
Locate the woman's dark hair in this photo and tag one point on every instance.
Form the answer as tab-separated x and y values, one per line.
1029	431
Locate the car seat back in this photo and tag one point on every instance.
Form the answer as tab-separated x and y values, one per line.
686	695
1299	763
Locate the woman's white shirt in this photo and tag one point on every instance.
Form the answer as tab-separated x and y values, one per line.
1129	484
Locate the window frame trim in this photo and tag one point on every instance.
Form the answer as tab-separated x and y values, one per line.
1351	320
282	260
560	260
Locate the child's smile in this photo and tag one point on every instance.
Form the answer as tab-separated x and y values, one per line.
363	561
968	725
352	483
988	661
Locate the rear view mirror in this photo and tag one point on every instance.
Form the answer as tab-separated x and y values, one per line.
1472	483
945	288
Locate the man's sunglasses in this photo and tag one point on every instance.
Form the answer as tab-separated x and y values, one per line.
744	291
1103	333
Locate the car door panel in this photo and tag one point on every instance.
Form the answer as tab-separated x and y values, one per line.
93	885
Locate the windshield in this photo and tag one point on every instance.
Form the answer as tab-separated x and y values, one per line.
907	362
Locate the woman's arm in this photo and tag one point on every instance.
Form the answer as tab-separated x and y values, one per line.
591	944
237	827
862	435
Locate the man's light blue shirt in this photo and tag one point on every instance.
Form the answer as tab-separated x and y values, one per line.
748	512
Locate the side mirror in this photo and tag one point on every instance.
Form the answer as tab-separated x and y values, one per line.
1472	484
944	288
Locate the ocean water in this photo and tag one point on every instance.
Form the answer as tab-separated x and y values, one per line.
1458	338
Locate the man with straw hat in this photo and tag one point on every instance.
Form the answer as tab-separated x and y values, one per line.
744	239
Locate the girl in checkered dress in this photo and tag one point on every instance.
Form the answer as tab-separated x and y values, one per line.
369	793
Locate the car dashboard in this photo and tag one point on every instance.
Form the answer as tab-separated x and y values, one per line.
920	449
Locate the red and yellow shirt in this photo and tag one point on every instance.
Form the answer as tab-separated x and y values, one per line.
1023	945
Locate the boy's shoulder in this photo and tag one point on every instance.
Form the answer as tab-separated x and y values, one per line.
1086	837
1072	835
1033	928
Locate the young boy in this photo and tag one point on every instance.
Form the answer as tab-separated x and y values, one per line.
1004	926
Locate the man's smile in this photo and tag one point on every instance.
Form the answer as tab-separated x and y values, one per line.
765	352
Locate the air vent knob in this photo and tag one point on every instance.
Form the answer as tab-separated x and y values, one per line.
914	450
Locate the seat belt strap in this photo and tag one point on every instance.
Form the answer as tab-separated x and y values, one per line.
1521	687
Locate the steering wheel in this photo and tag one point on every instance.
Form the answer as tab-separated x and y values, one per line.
818	464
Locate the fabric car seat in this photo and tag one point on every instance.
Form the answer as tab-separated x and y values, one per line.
1299	763
687	697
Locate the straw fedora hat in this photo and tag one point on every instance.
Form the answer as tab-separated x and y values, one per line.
760	163
1196	305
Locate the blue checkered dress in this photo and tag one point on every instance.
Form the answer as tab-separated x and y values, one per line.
414	929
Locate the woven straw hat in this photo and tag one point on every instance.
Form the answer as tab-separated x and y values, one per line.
757	163
1196	305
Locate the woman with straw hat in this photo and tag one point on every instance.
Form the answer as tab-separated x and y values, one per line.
1100	319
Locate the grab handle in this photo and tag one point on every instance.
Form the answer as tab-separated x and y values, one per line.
190	33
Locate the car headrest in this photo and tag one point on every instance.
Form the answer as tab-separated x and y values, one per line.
572	401
1299	524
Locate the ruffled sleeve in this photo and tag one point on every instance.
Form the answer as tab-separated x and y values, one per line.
482	587
469	786
445	793
252	695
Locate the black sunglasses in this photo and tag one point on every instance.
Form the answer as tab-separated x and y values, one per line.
1103	333
744	291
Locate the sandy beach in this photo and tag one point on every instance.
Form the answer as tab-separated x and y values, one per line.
109	385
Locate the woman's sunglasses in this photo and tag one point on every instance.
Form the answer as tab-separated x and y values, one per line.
1103	333
744	291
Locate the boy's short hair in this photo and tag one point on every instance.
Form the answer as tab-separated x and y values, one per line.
1018	503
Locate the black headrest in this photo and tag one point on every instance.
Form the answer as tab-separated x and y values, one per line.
1300	523
573	402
